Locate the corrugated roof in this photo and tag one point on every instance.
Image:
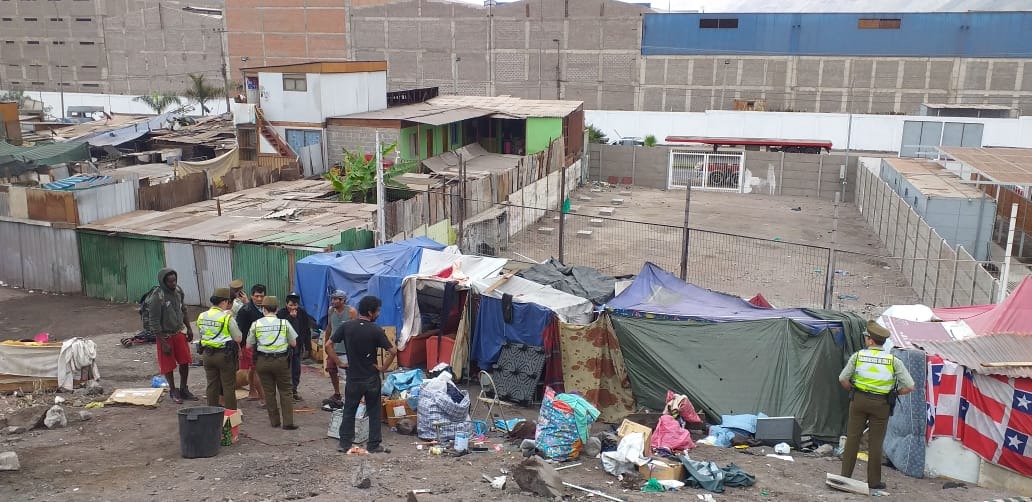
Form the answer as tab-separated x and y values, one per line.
78	182
1012	166
448	109
295	213
479	162
932	179
422	113
973	352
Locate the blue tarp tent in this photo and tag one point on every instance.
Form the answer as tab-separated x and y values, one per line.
656	291
376	271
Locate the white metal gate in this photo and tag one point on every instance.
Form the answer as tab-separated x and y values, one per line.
707	171
214	265
179	256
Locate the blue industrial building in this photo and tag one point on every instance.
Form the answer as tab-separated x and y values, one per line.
932	34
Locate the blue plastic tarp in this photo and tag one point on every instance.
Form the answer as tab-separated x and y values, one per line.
657	291
375	271
491	332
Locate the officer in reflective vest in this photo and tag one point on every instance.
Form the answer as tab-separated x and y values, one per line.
218	333
271	337
873	376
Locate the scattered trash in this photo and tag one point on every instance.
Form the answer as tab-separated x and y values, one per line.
567	466
58	400
800	208
361	476
782	448
592	492
824	450
55	418
848	297
9	461
498	483
818	271
671	484
841	272
653	486
705	497
158	382
138	397
95	404
880	493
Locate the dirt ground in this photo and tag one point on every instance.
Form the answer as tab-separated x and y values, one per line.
778	264
127	453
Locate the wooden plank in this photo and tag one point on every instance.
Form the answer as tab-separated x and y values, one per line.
847	484
504	279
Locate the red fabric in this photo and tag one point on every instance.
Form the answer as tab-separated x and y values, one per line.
1013	316
246	357
553	356
961	313
990	415
760	301
685	410
180	353
670	435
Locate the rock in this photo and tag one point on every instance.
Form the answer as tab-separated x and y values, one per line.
15	429
592	447
59	400
83	416
824	450
55	418
29	418
535	475
406	426
361	477
9	461
94	389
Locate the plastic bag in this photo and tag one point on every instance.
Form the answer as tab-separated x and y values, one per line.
678	406
557	434
670	435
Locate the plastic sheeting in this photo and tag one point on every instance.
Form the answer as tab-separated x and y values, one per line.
905	437
656	291
568	308
584	282
594	366
528	323
318	275
789	372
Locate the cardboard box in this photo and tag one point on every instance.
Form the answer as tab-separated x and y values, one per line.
628	427
382	354
234	418
394	410
318	353
662	469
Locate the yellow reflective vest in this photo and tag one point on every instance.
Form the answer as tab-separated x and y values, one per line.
874	371
271	336
214	327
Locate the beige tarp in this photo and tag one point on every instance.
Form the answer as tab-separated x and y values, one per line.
216	168
29	359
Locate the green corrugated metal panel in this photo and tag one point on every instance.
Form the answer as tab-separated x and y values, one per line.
354	239
143	259
268	265
103	269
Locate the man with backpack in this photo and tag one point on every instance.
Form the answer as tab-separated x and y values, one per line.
166	320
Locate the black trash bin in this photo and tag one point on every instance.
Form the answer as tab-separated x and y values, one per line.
200	431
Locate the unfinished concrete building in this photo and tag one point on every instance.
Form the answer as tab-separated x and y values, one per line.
109	46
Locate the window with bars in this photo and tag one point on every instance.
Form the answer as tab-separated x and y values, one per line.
297	83
718	23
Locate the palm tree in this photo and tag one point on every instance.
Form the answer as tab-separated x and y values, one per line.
201	92
158	101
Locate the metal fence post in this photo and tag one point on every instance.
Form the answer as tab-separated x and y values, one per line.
829	284
686	235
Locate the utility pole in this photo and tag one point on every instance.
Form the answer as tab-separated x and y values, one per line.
562	209
685	237
558	60
225	73
381	204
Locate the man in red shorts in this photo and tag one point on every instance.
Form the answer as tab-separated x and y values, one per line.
166	318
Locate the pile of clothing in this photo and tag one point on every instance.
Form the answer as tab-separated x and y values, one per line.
442	407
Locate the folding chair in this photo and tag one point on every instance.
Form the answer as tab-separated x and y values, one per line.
487	387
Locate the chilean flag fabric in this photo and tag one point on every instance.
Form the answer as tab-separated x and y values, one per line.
990	415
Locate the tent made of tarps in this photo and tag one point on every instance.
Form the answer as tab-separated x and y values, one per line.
774	366
46	154
568	308
448	265
358	273
658	292
581	281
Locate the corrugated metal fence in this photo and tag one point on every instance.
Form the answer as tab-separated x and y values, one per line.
39	255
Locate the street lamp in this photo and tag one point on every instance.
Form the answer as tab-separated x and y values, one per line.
558	93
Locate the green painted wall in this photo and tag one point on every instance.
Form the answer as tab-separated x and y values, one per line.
405	141
119	268
541	132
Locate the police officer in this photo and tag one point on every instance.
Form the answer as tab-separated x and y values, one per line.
270	337
873	376
218	333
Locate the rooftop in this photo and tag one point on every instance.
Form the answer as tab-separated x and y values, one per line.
321	67
1008	166
214	130
932	179
297	213
447	109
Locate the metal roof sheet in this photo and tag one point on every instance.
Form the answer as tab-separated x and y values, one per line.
1011	166
973	352
932	179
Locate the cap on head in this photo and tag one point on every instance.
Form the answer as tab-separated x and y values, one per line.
237	284
294	297
221	294
339	294
270	303
876	332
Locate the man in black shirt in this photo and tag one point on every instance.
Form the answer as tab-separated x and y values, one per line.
363	338
302	324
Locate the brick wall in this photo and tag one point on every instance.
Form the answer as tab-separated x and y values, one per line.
354	138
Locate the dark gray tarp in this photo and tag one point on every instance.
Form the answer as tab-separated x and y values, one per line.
774	366
584	282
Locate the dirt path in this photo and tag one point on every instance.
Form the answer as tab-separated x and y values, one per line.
126	453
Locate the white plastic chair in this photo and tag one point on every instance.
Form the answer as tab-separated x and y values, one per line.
489	396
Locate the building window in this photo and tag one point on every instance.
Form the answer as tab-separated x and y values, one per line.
8	19
33	42
89	67
57	19
84	19
878	24
414	145
30	20
91	85
37	83
295	83
87	43
8	41
713	22
59	42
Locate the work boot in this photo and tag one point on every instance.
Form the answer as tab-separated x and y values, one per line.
297	397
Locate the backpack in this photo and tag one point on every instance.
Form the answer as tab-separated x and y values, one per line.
144	303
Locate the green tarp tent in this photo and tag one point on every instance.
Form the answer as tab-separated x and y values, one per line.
24	158
774	366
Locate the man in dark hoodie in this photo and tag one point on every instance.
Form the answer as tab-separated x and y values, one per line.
166	319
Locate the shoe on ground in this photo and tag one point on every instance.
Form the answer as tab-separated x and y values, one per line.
879	486
379	449
290	427
335	398
187	395
275	425
297	397
176	397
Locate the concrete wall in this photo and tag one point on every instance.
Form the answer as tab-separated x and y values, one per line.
339	138
941	275
790	174
117	46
